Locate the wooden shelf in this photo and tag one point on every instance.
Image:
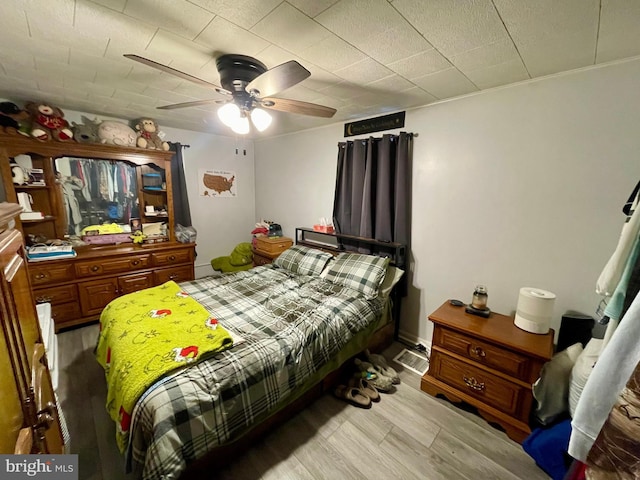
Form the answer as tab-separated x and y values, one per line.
30	187
48	218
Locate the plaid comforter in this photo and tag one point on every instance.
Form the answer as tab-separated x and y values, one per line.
290	325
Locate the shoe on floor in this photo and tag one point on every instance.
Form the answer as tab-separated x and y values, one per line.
353	395
381	365
375	378
365	387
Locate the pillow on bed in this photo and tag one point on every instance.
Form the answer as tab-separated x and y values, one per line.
393	276
363	273
303	260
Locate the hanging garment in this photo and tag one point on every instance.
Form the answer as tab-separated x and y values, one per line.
611	372
612	272
614	309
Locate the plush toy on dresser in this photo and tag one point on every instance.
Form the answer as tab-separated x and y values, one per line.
87	131
148	137
48	123
117	133
13	118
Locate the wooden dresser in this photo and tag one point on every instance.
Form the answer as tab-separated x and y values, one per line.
488	363
78	289
29	420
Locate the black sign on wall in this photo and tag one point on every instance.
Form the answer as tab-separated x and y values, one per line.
386	122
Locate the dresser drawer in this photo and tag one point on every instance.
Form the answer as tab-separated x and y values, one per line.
178	274
65	312
98	266
488	354
259	260
56	295
48	274
172	257
491	390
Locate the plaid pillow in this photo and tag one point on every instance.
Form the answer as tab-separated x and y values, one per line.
363	273
303	260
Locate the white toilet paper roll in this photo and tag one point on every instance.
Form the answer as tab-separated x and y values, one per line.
534	311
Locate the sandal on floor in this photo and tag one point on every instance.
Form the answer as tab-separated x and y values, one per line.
381	365
375	378
365	388
353	395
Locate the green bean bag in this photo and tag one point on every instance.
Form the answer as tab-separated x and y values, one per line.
240	259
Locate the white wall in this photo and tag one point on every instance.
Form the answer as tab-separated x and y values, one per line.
517	186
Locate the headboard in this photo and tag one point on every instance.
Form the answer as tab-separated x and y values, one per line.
336	243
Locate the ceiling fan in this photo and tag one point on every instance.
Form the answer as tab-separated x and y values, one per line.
248	86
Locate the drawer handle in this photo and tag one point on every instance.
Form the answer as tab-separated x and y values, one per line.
95	268
478	352
171	258
474	384
171	277
43	299
135	262
40	276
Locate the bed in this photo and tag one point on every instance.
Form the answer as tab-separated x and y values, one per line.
291	325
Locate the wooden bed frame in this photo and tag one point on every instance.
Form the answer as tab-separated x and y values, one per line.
379	340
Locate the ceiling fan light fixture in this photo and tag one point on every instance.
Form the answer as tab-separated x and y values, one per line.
229	114
241	125
260	119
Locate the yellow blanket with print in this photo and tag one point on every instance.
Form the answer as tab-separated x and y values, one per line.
147	334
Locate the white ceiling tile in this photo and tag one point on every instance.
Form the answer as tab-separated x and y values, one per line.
454	27
446	84
245	13
89	88
53	17
365	71
144	76
421	64
290	29
46	67
345	91
552	36
221	37
182	18
79	59
112	4
173	50
490	54
375	28
619	34
119	83
391	84
332	53
104	23
49	80
135	98
414	97
13	20
495	75
312	7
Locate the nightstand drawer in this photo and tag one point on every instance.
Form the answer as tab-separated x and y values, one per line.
487	354
489	389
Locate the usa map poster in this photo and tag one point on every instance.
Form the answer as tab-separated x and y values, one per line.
217	183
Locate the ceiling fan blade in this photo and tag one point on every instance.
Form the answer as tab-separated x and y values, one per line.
177	73
196	103
277	79
296	106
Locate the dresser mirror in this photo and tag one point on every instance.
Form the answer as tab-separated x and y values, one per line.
97	192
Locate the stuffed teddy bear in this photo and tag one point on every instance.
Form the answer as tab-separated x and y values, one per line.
13	118
148	135
48	123
87	131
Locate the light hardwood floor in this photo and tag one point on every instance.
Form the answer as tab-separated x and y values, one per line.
407	435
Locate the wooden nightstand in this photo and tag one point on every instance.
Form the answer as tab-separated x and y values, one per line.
488	363
263	258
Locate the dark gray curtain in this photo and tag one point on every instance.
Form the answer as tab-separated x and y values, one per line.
373	188
181	212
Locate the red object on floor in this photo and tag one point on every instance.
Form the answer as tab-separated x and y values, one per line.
576	471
